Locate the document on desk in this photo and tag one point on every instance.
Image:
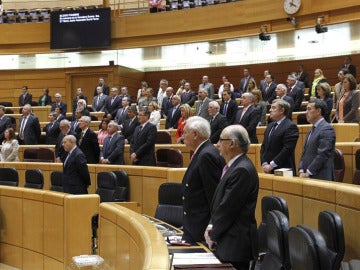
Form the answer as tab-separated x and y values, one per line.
194	258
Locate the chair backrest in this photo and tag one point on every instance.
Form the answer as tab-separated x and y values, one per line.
56	181
39	155
122	186
269	203
356	178
34	178
277	241
169	157
6	103
307	249
339	165
331	227
170	204
106	186
9	177
301	119
163	137
162	157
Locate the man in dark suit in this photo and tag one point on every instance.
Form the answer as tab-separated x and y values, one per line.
232	230
228	107
248	116
295	92
188	96
5	122
25	97
280	138
281	93
167	102
217	121
59	103
130	124
122	114
52	129
174	113
60	153
29	131
99	100
87	141
104	87
76	177
244	82
303	76
317	159
112	104
113	148
200	179
142	146
350	67
268	92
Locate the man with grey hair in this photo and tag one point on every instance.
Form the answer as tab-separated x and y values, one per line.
281	94
217	121
248	116
113	148
87	141
58	103
174	113
29	131
295	92
208	86
167	101
203	104
52	129
99	100
65	129
76	177
162	91
232	230
201	178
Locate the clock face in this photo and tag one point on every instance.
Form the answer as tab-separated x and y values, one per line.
292	6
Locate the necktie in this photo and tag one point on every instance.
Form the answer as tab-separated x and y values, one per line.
225	169
310	133
67	158
267	88
273	129
140	129
225	108
81	138
23	123
97	102
112	100
200	107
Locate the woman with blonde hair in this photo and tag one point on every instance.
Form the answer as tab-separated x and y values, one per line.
154	114
186	112
318	78
9	147
251	85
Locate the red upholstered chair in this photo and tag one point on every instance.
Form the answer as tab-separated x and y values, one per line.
339	165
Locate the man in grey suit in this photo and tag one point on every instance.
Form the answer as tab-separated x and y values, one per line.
99	100
203	104
232	230
317	159
122	113
29	131
113	148
208	86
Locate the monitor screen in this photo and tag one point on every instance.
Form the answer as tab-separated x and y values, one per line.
80	29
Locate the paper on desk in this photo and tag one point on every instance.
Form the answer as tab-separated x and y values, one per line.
195	258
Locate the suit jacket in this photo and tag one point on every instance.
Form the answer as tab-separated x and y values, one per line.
304	77
52	132
32	130
249	121
26	100
143	144
351	105
204	113
75	128
112	108
318	152
270	94
297	94
113	149
199	184
243	85
89	146
76	177
351	69
188	98
5	123
166	105
280	146
128	128
209	88
172	120
47	100
121	115
292	105
62	105
231	110
217	125
59	149
106	90
233	212
99	106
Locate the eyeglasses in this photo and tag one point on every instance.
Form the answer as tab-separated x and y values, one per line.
222	139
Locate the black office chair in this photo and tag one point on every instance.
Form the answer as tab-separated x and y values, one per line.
307	249
56	181
122	186
331	227
9	177
106	187
277	242
269	203
34	178
170	204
